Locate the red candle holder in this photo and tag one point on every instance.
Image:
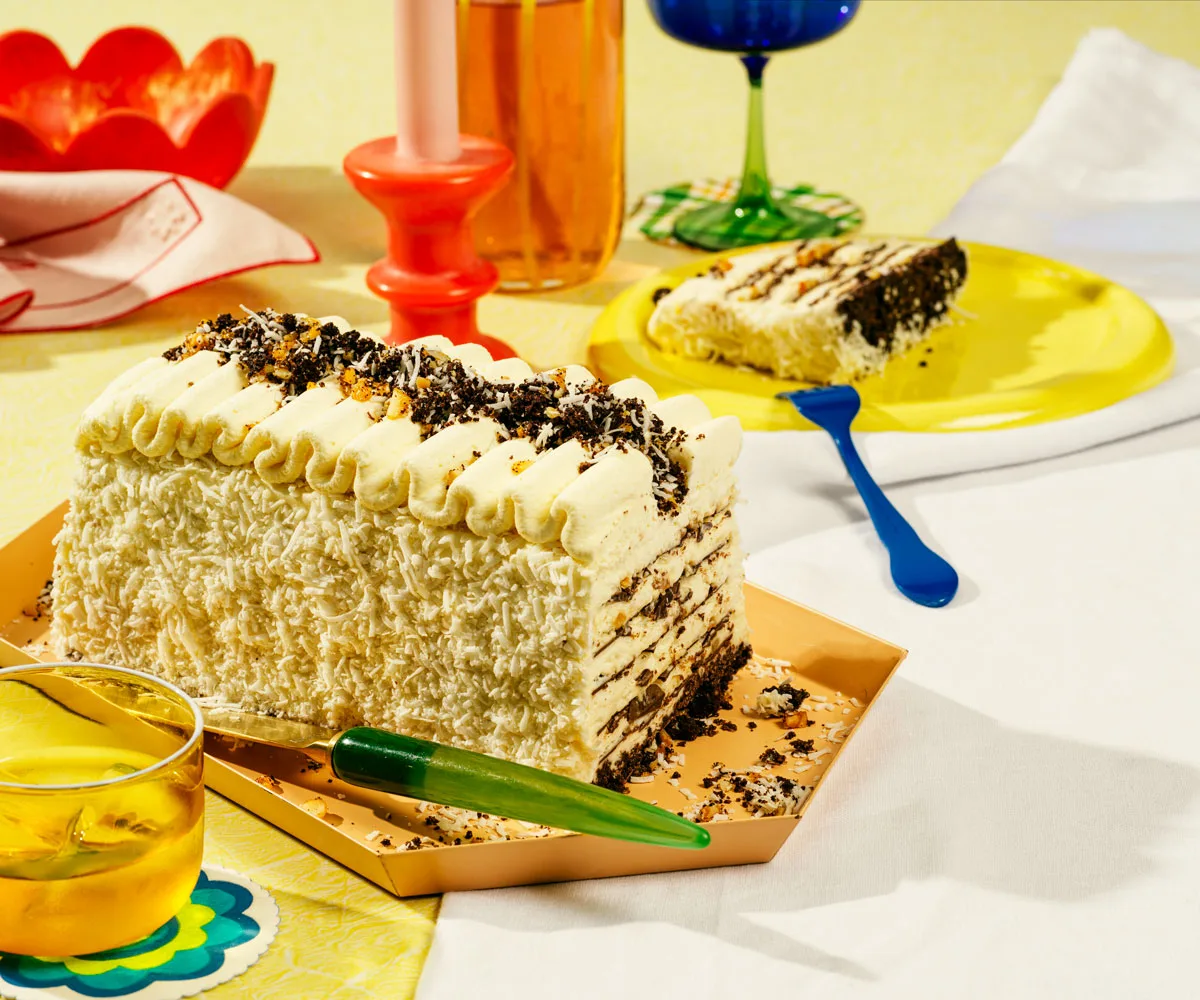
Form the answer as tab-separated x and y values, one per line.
431	276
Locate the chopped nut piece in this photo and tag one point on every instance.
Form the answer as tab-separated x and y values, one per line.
399	405
271	782
297	355
316	806
815	254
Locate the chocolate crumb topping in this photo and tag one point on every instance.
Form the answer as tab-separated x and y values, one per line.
795	697
881	303
297	354
685	728
44	604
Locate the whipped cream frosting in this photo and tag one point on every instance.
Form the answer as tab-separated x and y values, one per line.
392	443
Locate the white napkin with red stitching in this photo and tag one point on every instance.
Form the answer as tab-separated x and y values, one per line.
78	249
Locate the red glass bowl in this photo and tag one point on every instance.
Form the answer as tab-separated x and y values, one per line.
130	104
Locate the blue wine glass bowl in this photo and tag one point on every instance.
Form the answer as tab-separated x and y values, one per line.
752	25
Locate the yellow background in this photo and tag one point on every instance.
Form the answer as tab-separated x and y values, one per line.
901	112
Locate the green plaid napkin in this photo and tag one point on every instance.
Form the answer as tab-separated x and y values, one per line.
656	212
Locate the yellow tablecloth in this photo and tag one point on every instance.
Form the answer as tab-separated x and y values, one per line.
902	112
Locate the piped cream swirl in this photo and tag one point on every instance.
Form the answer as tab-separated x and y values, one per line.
467	473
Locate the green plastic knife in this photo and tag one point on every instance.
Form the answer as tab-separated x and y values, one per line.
434	772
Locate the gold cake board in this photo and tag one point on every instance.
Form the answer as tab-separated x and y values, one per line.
366	831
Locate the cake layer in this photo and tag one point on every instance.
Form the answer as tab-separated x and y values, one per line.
655	661
628	610
700	695
617	652
649	669
819	310
626	724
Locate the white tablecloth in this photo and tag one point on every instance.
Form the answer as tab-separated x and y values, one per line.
1020	816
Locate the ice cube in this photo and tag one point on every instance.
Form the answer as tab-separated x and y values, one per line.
98	830
37	835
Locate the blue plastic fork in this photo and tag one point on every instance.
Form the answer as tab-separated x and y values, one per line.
919	573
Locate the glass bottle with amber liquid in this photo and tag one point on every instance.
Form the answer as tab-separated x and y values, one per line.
545	78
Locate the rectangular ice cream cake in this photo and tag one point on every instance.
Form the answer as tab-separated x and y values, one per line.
823	311
294	518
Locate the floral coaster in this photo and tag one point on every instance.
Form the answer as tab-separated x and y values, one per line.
656	212
222	931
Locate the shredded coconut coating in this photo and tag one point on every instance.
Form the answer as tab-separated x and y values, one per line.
282	599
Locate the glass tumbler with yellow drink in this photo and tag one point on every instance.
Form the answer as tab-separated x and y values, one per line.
101	806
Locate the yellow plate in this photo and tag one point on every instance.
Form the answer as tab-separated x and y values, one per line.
1032	340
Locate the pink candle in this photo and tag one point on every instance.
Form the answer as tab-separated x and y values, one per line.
426	81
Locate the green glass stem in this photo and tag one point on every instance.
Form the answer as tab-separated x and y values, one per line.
754	217
755	191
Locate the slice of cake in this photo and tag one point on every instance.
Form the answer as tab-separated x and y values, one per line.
297	519
819	311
